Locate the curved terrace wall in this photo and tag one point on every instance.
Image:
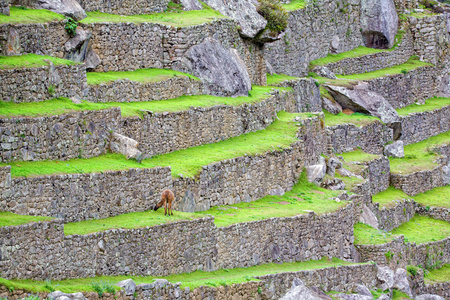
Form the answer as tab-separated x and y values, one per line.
125	7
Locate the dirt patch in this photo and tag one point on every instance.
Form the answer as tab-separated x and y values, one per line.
299	199
283	202
230	214
318	192
348	111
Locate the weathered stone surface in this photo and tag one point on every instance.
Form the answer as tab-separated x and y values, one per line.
126	146
244	13
221	70
386	276
401	281
379	23
78	49
58	295
368	217
333	184
125	7
361	99
394	150
128	285
92	59
315	173
191	5
429	297
324	72
446	174
70	8
384	297
330	106
353	297
362	290
332	164
12	46
4	7
300	291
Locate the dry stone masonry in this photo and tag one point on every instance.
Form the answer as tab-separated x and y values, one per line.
125	7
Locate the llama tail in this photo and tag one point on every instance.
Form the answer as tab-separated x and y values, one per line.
161	203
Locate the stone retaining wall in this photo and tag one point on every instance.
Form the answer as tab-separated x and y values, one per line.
439	213
418	182
42	83
306	93
76	197
156	250
310	33
393	216
132	91
401	253
376	173
79	134
405	89
420	126
125	7
371	138
377	61
159	133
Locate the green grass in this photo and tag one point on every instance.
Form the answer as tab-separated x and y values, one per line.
359	156
410	65
31	61
357	52
171	18
358	119
417	15
438	275
276	79
126	221
430	104
130	109
437	197
29	16
421	229
350	182
389	197
191	280
367	235
295	5
277	136
140	75
397	295
419	156
10	219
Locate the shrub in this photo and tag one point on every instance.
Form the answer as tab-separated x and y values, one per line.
276	16
48	286
71	26
97	288
412	270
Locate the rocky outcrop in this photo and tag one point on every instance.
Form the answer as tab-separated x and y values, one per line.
300	291
126	146
78	49
221	70
395	150
69	8
361	99
191	5
250	22
379	23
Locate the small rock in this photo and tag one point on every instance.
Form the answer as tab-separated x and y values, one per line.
128	285
330	106
395	150
126	146
55	294
300	291
353	297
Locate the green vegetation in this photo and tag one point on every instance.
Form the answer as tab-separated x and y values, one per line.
191	280
419	156
277	136
367	235
438	275
130	109
350	182
397	295
71	26
417	15
275	14
390	197
176	18
31	61
421	229
140	75
359	156
10	219
276	79
437	197
412	64
29	16
358	119
430	104
377	294
357	52
126	221
295	5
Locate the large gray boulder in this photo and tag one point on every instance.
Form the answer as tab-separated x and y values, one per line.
446	174
191	5
300	291
243	12
330	106
69	8
315	173
395	149
222	70
368	217
334	184
361	99
78	48
401	281
379	23
386	277
126	146
128	285
429	297
353	297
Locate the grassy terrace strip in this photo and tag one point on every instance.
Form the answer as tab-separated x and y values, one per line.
10	219
277	136
31	61
438	275
354	162
358	119
276	79
295	5
29	16
390	197
130	109
140	75
437	197
191	280
171	18
419	156
419	230
302	198
430	104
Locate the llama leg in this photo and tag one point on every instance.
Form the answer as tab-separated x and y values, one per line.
170	208
165	208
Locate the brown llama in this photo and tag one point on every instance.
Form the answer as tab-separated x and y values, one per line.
167	198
